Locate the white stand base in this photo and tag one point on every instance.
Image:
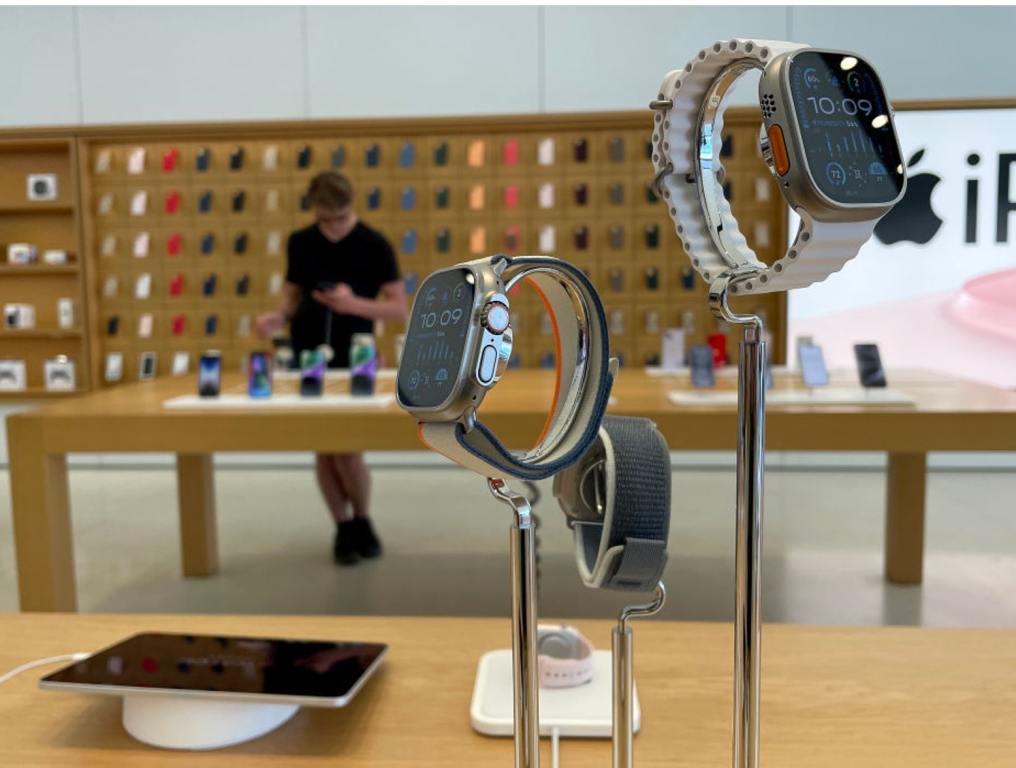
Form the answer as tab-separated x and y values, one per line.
191	722
582	711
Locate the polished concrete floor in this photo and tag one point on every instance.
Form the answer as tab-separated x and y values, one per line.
446	544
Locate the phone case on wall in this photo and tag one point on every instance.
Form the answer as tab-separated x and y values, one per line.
407	155
615	237
236	158
171	202
211	325
240	243
373	198
239	201
270	158
510	152
442	198
407	200
476	153
143	286
178	325
205	202
441	154
580	150
581	237
242	285
173	244
443	240
545	151
202	160
208	286
409	241
511	196
304	156
113	325
477	197
478	240
580	194
615	150
339	156
372	156
545	195
207	244
548	239
176	284
141	241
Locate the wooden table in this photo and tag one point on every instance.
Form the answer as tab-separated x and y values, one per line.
949	415
892	698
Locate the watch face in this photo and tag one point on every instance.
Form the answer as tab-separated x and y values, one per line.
436	340
845	128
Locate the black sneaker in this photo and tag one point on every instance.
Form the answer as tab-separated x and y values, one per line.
365	541
344	549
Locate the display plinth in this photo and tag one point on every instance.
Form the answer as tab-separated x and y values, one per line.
196	723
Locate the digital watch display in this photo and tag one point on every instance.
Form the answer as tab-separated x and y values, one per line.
843	121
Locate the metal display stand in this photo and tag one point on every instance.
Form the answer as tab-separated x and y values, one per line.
623	731
526	682
748	542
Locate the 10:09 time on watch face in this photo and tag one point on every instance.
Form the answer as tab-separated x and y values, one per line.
844	122
435	342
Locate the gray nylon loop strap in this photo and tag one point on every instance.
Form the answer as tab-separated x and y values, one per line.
641	565
622	543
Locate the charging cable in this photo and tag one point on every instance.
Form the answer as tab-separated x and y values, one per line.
555	747
41	663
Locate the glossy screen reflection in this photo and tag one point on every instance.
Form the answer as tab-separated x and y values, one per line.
843	116
233	664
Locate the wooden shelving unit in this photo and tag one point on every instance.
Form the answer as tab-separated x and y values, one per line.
49	224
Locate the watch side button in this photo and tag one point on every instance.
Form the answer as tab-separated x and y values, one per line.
781	160
488	364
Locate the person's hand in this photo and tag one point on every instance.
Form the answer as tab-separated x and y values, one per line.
339	299
270	323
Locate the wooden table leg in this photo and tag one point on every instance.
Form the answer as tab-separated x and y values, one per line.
40	503
195	484
904	522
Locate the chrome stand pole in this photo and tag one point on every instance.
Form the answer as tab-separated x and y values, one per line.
748	542
623	726
526	681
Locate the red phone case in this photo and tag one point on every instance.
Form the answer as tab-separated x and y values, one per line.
169	159
176	284
511	196
173	244
172	202
718	342
179	323
510	152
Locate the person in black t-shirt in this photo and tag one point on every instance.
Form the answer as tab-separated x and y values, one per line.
341	264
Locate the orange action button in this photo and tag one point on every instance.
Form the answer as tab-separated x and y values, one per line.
781	161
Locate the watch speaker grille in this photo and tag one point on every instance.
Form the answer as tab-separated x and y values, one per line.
768	105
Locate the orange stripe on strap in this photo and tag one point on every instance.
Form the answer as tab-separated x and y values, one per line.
557	359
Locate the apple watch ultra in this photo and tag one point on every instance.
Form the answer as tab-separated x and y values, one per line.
616	499
565	656
828	138
459	342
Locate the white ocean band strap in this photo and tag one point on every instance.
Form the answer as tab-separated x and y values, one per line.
627	550
681	156
564	672
585	375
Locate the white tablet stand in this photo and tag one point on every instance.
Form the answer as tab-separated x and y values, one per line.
191	722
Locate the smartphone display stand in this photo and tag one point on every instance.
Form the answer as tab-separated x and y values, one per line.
195	723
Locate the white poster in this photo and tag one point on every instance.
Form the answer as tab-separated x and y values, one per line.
936	286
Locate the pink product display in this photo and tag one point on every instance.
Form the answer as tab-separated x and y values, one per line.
988	304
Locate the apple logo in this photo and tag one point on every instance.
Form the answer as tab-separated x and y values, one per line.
913	218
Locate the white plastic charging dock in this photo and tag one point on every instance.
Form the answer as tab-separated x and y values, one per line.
583	711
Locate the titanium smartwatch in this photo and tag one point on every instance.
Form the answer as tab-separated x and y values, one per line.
828	138
616	499
459	342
